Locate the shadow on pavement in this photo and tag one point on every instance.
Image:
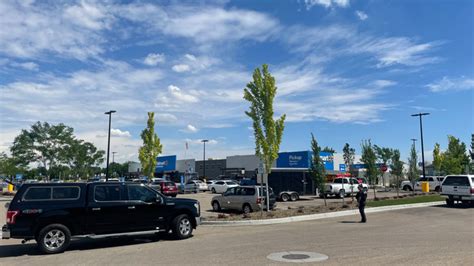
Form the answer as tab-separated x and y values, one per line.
348	222
82	244
456	206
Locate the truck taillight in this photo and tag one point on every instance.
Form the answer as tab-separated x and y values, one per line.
259	200
472	190
11	215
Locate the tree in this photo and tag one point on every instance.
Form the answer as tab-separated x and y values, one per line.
43	143
369	159
349	156
437	159
268	132
9	166
471	166
317	170
151	147
413	166
455	158
328	149
82	157
384	155
396	167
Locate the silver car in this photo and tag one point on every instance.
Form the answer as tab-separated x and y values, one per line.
243	198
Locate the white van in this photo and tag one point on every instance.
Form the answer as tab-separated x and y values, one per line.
458	188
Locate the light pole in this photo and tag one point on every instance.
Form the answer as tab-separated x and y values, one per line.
113	157
413	141
204	157
108	144
422	149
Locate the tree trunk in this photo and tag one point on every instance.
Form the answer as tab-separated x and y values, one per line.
397	185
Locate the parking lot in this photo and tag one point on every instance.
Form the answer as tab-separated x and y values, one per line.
420	236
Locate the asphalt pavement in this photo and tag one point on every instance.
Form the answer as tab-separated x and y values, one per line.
420	236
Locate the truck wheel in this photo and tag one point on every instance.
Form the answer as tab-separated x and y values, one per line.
216	206
437	189
450	202
285	197
213	190
407	188
247	209
294	197
54	238
182	226
342	193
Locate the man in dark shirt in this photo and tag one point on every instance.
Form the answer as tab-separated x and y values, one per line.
361	199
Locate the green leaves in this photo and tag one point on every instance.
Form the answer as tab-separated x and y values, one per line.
151	147
413	164
317	171
268	132
369	159
55	147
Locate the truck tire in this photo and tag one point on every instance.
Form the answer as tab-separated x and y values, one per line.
294	197
216	206
54	238
246	208
182	226
213	190
342	193
284	197
437	189
407	188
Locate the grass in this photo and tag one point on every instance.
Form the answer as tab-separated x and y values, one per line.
410	200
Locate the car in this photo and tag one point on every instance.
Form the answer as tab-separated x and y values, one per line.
221	186
166	187
210	182
458	188
434	183
195	185
53	213
243	198
343	186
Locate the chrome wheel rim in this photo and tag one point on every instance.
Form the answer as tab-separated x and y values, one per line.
54	239
185	226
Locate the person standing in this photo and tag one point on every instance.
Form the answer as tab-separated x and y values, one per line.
361	197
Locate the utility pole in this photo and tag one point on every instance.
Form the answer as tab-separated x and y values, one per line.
204	157
422	148
108	144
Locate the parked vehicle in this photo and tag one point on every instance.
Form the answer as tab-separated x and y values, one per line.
221	186
458	188
342	187
434	183
166	187
52	214
195	186
243	198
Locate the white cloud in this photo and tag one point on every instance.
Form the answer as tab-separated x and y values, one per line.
190	129
154	59
119	133
27	65
326	3
361	15
338	41
179	95
181	68
451	84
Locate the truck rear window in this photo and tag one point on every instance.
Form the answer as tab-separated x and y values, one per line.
456	181
65	192
38	193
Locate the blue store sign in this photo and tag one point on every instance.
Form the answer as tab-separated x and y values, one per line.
342	167
165	163
302	159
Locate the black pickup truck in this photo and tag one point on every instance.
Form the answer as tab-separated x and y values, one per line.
52	214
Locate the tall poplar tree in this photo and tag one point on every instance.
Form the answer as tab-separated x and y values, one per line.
369	159
268	132
151	147
413	167
396	167
317	170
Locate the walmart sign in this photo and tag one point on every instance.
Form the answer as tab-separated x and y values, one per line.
165	163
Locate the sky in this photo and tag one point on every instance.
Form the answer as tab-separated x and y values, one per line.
345	70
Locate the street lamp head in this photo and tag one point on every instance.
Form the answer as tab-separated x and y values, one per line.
110	112
420	114
205	140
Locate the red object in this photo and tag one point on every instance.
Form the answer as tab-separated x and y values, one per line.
383	168
11	215
472	190
259	200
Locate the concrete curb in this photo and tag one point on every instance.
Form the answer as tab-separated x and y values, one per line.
318	216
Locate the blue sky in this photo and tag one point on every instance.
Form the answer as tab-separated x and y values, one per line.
346	70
